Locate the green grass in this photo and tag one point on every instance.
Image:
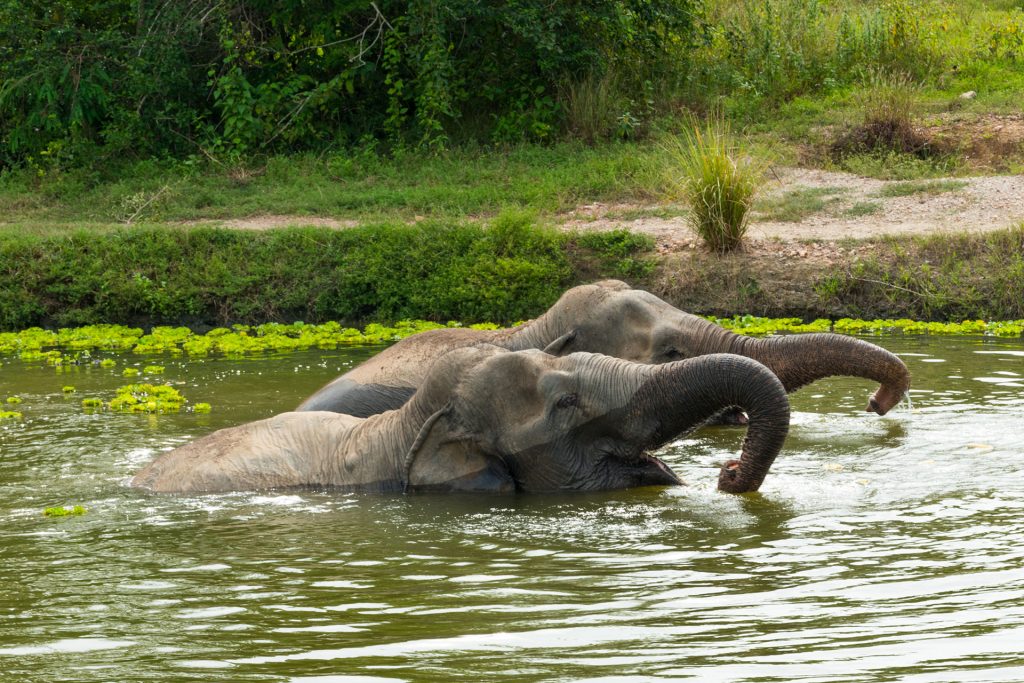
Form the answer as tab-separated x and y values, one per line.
798	204
858	209
360	186
503	270
718	180
908	188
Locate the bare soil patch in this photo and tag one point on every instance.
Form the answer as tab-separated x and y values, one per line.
268	222
981	204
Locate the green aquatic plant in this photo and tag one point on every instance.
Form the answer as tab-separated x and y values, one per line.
153	369
62	511
14	400
130	372
147	398
68	389
108	363
10	415
92	403
202	408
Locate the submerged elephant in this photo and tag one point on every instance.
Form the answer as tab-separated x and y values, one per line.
487	419
612	319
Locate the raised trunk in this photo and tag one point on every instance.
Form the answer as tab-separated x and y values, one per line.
684	394
799	359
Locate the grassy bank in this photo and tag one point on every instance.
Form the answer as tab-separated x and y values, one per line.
506	270
939	278
502	271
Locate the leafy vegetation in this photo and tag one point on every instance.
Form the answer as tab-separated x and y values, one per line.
224	79
63	511
507	270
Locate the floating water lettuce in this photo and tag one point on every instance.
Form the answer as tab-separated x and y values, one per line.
153	369
73	345
68	389
108	363
14	400
130	372
92	403
61	511
202	408
147	398
10	415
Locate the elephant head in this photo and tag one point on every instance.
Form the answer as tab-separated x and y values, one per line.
587	421
611	318
487	419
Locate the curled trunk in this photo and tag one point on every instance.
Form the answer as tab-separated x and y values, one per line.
799	359
693	390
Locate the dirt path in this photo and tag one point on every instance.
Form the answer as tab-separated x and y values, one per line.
847	207
853	208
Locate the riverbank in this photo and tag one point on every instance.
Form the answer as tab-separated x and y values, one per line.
501	271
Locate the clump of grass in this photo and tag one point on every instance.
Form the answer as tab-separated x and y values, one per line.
887	119
862	209
905	189
590	106
718	182
798	204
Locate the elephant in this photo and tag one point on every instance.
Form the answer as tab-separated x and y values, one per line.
491	420
614	319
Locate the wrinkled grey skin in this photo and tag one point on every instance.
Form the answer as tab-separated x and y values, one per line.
487	419
612	319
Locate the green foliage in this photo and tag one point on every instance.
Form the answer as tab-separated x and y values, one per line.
718	182
63	511
146	398
10	415
234	78
508	270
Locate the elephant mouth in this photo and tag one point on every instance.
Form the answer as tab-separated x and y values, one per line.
653	472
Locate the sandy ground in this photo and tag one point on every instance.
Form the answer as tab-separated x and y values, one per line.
982	204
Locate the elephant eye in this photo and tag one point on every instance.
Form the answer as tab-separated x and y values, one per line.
568	401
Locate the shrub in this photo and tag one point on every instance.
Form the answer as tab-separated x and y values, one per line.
717	181
887	119
507	271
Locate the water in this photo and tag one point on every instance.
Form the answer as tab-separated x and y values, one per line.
879	549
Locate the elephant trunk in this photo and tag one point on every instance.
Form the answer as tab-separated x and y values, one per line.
691	391
798	360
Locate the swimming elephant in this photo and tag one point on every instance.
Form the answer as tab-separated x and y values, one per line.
613	319
486	419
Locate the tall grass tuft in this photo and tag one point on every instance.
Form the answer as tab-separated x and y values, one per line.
887	118
718	181
591	107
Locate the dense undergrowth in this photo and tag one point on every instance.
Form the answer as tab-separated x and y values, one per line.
505	271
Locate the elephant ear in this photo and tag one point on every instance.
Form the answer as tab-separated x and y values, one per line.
444	458
559	346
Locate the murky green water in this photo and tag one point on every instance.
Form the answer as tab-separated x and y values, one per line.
880	549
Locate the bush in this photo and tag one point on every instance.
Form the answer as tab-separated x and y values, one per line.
718	182
887	120
508	271
234	78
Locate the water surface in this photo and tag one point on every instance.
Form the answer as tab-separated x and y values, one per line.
879	549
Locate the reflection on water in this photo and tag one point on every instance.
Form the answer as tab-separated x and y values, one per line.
879	549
